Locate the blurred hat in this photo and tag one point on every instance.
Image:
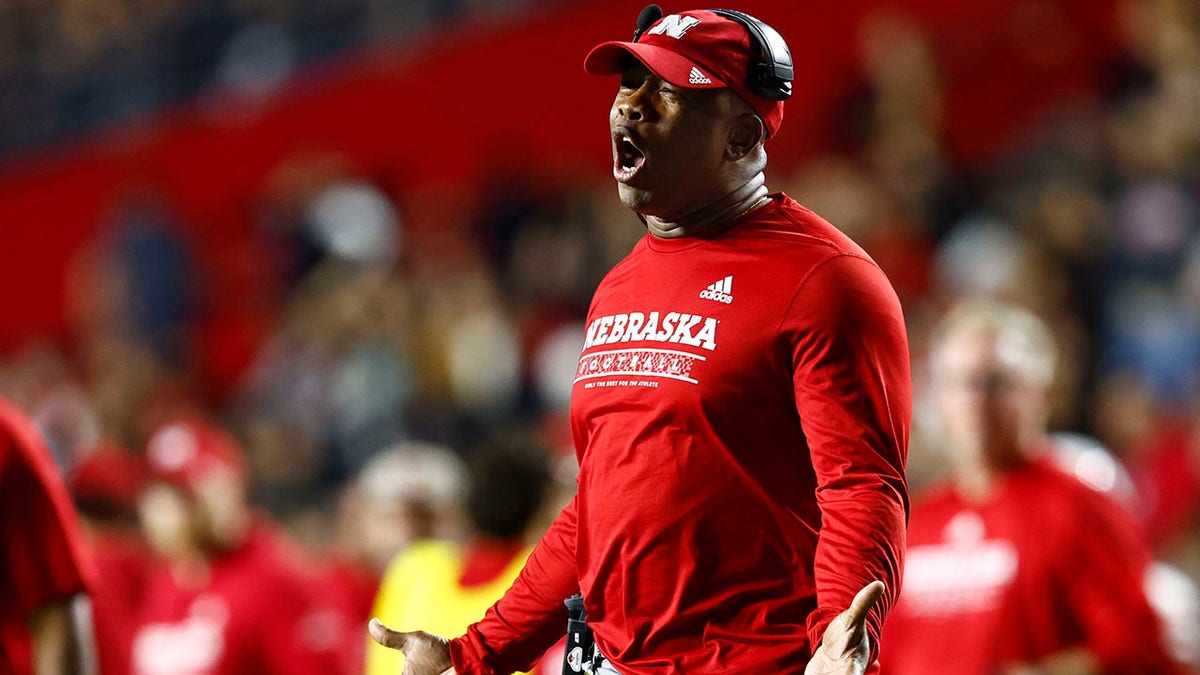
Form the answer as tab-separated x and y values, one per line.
696	49
108	478
355	221
415	472
184	453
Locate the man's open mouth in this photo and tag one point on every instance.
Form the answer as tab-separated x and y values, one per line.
627	158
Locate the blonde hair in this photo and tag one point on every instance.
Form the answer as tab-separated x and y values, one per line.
1023	341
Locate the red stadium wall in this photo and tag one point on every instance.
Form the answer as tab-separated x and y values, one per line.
510	94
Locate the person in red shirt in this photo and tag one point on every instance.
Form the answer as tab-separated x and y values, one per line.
106	484
45	568
740	410
1015	567
225	598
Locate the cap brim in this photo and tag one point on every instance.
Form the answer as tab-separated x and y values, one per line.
605	59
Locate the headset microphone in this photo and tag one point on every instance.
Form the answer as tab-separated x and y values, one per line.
650	14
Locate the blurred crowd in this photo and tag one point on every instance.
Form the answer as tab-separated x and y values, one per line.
71	66
399	321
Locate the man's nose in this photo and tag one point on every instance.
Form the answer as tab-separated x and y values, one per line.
630	110
633	106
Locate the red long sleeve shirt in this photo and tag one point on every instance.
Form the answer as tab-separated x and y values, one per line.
1044	564
43	556
736	397
251	613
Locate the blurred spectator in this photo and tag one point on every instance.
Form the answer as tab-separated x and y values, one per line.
406	493
45	620
155	274
409	492
444	586
106	484
131	303
1064	593
206	612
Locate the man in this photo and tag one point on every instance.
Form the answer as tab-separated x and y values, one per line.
45	572
226	597
1015	567
743	388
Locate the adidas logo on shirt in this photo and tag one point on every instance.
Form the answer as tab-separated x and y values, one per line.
721	291
697	77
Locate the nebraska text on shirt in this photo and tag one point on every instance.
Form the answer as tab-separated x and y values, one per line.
688	329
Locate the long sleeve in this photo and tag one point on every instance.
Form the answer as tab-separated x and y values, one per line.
51	562
530	617
853	393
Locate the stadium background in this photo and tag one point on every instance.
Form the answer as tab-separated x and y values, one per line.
335	224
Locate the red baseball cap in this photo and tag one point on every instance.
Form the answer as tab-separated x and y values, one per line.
109	475
696	49
183	453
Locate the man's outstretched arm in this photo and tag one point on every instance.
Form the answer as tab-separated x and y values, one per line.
854	397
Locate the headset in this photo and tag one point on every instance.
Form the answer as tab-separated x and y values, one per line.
771	76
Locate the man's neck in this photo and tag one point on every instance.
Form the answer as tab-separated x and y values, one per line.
714	217
976	484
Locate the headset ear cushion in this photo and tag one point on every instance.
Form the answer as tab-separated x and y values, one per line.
771	76
763	82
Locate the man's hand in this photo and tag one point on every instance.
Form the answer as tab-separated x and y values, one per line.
845	647
424	653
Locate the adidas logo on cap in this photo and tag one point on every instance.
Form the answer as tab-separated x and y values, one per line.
697	77
721	291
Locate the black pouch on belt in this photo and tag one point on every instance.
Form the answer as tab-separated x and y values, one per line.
578	654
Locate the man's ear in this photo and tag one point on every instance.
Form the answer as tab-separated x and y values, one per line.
745	134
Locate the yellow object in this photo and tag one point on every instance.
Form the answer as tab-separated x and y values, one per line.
420	591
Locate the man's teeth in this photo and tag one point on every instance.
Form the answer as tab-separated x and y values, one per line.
629	153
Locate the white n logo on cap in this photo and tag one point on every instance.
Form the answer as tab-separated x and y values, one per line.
674	25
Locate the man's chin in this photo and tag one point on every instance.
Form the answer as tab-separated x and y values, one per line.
635	198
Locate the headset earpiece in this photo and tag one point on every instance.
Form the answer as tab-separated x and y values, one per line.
771	76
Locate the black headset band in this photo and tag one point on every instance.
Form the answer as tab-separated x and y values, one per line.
770	77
